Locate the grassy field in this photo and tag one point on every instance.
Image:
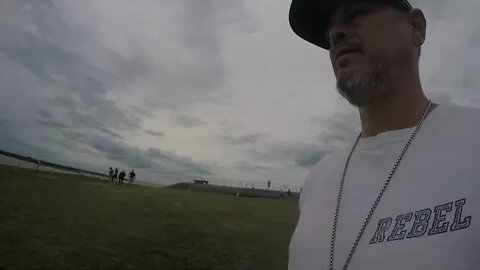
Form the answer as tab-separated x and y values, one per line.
52	220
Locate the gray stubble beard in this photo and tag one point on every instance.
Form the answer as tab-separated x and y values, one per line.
366	87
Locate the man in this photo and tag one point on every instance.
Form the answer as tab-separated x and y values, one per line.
131	177
38	166
115	174
121	177
404	194
110	174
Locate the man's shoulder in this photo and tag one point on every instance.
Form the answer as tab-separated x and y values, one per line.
456	118
330	163
331	158
324	173
460	111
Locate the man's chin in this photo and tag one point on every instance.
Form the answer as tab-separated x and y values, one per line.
347	75
362	88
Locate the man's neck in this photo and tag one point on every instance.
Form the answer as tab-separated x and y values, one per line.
398	112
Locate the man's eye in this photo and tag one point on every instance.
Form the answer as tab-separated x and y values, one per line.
354	14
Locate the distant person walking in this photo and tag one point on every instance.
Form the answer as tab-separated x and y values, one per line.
121	177
268	184
131	177
110	174
38	166
115	174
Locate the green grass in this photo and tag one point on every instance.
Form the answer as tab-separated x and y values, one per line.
52	220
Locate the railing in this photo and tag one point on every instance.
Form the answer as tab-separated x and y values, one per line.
251	184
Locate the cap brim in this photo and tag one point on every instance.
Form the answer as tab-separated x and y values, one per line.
309	19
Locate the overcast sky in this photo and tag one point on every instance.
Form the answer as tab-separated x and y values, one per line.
182	88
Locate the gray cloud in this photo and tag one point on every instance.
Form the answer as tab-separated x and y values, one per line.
156	153
142	111
44	114
337	131
82	120
155	133
75	136
189	121
171	164
253	168
73	120
200	30
51	149
284	154
120	153
308	158
79	87
50	123
244	139
449	73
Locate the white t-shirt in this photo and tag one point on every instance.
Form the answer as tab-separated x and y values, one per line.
428	218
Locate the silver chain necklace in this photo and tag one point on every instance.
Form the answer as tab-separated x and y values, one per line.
377	200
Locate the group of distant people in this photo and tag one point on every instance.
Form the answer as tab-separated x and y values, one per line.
113	175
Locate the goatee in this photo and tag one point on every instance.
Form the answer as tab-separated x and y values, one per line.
365	87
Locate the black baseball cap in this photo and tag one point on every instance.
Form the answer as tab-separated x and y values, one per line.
309	18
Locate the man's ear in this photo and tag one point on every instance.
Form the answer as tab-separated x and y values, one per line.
419	26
